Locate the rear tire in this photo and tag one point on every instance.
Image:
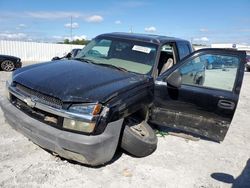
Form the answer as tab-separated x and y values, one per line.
248	69
138	138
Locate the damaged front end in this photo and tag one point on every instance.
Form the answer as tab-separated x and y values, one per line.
73	131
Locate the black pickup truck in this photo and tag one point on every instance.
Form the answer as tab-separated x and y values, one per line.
117	86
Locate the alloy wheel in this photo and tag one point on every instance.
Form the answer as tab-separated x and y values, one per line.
7	65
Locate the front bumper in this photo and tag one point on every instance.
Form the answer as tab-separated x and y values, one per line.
87	149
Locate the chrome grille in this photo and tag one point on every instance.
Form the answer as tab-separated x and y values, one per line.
42	98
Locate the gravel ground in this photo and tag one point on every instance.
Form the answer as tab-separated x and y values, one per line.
176	162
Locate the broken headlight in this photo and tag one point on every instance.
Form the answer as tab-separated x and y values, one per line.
86	109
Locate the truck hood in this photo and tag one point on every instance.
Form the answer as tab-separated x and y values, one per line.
75	81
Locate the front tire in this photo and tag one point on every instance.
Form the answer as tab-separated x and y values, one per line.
138	138
7	65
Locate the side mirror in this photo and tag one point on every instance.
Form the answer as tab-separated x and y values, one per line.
55	58
69	55
174	79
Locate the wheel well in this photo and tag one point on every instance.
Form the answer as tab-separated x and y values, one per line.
141	114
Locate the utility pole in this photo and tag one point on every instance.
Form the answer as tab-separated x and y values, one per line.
71	27
131	29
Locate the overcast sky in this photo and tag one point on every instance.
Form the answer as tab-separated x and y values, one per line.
210	21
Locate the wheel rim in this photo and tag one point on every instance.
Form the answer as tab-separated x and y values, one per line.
7	65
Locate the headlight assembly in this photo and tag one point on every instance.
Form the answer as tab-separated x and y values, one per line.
78	125
86	109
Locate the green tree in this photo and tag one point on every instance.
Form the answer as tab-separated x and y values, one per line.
66	41
77	42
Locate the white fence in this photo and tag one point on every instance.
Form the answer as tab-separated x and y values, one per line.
33	51
236	46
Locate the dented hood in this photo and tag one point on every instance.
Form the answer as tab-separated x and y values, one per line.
75	81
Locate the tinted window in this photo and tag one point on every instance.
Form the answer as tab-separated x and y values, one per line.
210	70
183	49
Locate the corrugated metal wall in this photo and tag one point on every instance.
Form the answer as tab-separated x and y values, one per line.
33	51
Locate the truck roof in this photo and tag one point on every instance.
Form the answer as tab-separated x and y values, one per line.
157	39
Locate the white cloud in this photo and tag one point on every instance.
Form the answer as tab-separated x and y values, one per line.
204	30
21	26
94	19
75	25
13	36
57	37
150	29
118	22
53	14
202	39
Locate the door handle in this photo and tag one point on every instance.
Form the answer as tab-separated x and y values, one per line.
225	104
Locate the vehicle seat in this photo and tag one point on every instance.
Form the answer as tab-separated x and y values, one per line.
167	65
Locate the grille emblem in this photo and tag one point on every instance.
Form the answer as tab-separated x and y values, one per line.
30	102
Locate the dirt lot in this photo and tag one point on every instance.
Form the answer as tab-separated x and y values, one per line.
176	162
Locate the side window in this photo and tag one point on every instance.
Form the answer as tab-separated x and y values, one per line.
183	49
100	49
210	70
167	58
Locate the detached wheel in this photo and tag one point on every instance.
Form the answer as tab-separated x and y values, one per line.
138	139
7	65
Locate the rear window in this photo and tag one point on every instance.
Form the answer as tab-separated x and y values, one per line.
183	49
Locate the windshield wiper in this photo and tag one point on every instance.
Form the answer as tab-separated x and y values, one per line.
101	64
112	66
85	60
